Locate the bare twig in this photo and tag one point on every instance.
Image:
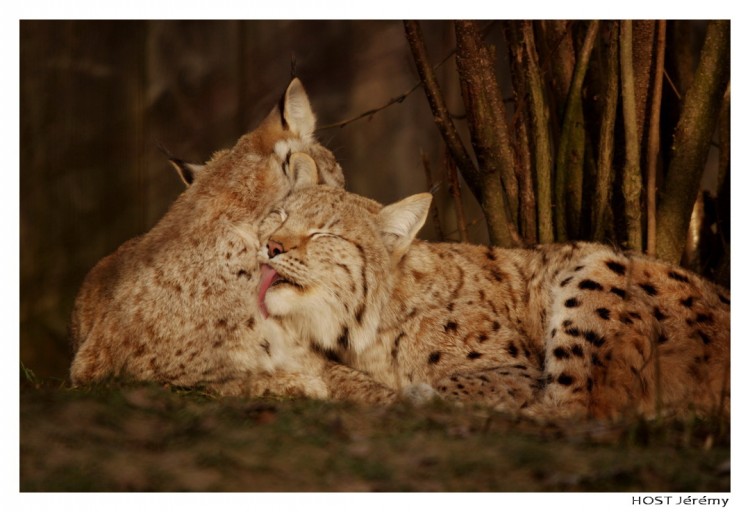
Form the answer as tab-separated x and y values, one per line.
455	189
431	187
603	188
672	85
653	139
540	134
437	103
398	99
569	169
631	181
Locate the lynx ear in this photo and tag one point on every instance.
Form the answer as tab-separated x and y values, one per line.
186	171
399	222
302	171
297	113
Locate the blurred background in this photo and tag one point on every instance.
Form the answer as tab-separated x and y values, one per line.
99	97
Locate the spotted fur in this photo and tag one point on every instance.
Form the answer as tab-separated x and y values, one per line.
573	329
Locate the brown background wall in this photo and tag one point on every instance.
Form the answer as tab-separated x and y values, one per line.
97	98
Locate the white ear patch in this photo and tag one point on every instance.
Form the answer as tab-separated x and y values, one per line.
399	222
298	113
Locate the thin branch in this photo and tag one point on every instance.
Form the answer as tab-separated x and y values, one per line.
603	189
398	99
540	134
569	169
437	103
455	190
672	85
653	139
631	181
431	187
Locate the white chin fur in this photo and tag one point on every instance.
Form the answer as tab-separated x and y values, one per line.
309	315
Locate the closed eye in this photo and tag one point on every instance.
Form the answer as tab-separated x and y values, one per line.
317	234
285	165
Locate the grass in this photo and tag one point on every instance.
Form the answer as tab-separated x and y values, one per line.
150	438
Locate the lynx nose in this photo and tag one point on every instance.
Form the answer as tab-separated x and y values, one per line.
274	248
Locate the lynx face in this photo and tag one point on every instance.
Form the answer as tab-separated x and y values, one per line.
329	266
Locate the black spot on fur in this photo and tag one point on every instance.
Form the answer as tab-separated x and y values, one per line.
553	333
343	339
662	339
579	267
243	273
434	358
619	292
495	326
659	315
596	361
573	331
577	350
566	281
678	277
512	349
588	284
572	303
589	384
490	255
564	379
497	275
705	338
635	315
327	353
451	326
724	299
451	306
567	323
594	338
649	289
359	313
482	338
687	302
603	313
624	318
473	355
560	353
617	268
704	318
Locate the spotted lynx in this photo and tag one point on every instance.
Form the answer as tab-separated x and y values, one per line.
566	330
176	305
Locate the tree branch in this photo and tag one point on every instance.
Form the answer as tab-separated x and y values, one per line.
692	140
631	180
603	188
569	169
489	131
653	139
541	136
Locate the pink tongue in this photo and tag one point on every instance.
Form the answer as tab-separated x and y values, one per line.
267	276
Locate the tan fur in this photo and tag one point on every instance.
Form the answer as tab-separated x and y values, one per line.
177	304
574	329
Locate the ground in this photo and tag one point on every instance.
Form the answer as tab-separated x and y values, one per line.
150	438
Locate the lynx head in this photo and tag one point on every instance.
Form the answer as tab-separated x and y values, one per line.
330	263
260	169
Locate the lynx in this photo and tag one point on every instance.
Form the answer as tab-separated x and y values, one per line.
176	305
568	330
